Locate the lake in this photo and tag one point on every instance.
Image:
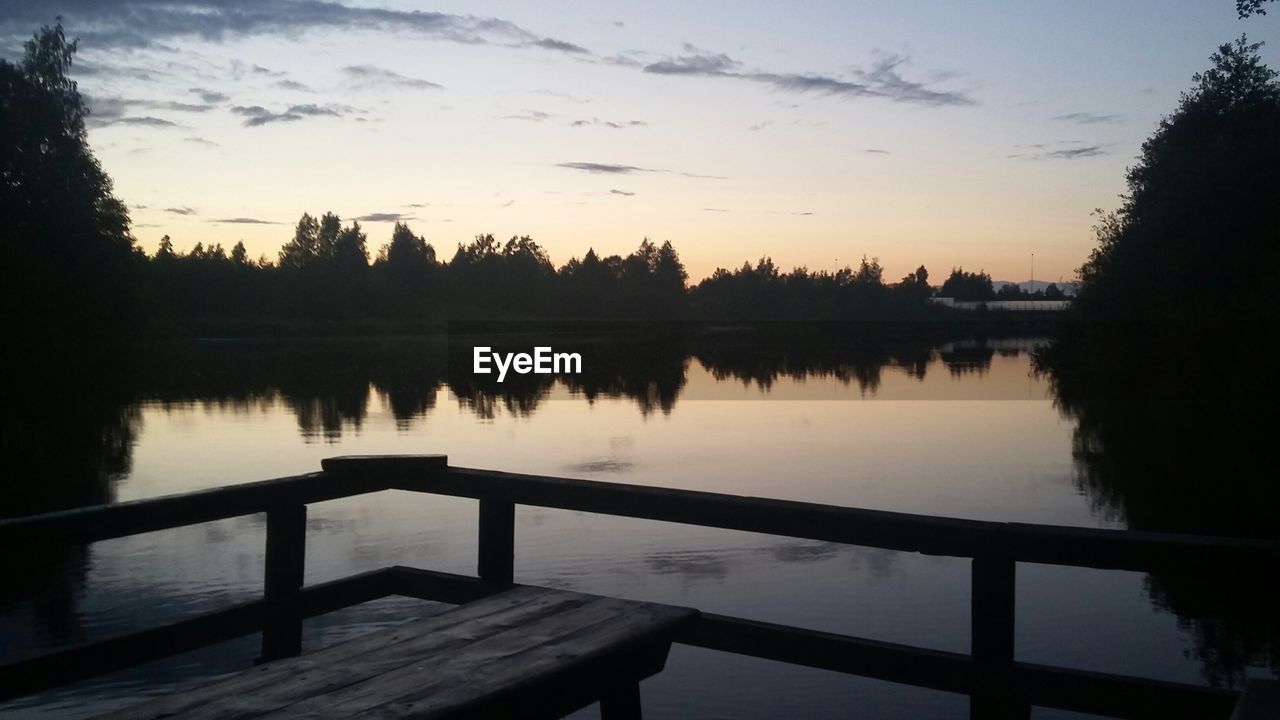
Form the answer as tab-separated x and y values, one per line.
961	428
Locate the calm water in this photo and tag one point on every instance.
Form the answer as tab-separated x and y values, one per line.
961	429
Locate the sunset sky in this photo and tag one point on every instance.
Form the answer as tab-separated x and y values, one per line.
950	134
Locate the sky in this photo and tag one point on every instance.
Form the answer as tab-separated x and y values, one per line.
979	135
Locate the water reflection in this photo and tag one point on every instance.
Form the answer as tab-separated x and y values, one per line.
71	435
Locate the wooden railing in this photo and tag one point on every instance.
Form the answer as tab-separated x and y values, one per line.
999	686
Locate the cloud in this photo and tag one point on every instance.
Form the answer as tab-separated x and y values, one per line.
623	193
1073	153
292	85
877	151
613	169
382	217
714	210
201	141
619	125
603	168
418	205
1084	118
184	210
882	80
149	23
112	110
371	75
757	127
256	115
244	221
210	96
530	115
562	46
143	121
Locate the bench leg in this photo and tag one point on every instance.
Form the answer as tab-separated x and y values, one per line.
621	703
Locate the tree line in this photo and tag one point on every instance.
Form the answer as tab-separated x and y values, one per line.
326	272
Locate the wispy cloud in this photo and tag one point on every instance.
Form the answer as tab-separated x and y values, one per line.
603	168
256	115
201	141
623	193
209	96
383	217
614	169
148	23
882	80
1084	118
243	221
372	75
113	110
184	210
292	85
876	151
616	125
530	115
1074	153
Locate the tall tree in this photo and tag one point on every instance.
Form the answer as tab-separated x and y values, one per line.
69	257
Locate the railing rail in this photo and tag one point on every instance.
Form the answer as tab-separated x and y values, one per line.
999	686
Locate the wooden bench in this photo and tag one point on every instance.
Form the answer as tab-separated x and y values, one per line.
523	653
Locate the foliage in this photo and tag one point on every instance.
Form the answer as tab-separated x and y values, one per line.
69	260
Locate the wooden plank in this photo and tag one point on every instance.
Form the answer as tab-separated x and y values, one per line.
1084	547
101	522
1110	695
274	685
602	635
63	667
919	667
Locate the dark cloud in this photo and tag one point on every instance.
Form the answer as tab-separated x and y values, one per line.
616	125
256	115
418	205
1084	118
877	151
184	210
623	193
210	96
244	221
882	80
382	217
109	110
370	75
149	23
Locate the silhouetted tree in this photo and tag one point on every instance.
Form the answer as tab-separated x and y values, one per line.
967	286
69	258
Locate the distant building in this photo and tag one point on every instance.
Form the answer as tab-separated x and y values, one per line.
1005	305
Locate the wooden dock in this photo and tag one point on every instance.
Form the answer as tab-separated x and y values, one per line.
999	686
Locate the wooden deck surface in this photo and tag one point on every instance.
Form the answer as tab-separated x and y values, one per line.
527	652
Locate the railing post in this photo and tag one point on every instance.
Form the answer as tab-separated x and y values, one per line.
992	620
496	564
286	553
